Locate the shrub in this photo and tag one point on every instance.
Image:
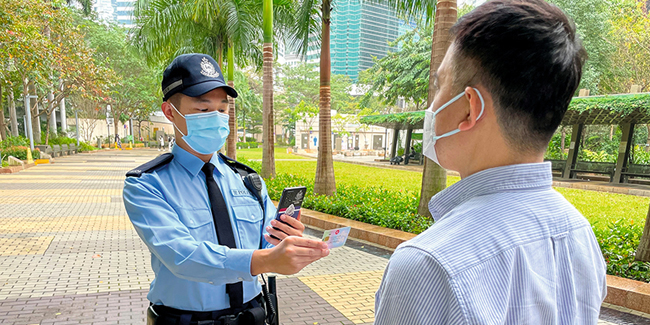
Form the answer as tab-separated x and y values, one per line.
20	152
640	156
373	205
18	141
83	147
398	210
602	156
247	145
618	242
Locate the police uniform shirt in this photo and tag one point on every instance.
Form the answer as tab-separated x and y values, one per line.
170	210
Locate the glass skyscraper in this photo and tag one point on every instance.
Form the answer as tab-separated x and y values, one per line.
359	32
120	11
124	12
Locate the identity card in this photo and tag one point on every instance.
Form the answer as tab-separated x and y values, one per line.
336	237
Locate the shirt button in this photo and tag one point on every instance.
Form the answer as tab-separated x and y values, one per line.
210	282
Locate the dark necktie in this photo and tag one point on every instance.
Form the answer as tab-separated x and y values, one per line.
224	229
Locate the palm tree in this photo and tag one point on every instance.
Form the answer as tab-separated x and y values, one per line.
204	26
268	139
281	14
434	177
325	183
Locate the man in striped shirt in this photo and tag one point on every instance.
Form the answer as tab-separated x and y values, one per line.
505	247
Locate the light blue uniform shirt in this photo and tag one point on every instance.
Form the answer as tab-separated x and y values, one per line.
505	249
170	211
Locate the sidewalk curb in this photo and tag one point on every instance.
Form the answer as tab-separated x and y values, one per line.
622	292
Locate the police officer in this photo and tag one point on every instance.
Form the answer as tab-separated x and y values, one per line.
203	225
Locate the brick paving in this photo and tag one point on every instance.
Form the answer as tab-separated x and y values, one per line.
69	255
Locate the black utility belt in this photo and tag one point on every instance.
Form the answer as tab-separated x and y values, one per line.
251	313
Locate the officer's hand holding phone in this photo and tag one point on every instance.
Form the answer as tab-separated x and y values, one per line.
281	230
287	220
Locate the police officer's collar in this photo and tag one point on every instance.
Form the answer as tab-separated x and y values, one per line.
193	164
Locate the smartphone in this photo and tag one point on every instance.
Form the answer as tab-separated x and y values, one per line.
290	203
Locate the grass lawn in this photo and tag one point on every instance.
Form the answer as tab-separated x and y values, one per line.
254	154
598	207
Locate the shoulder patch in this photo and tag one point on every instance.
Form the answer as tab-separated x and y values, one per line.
236	166
150	165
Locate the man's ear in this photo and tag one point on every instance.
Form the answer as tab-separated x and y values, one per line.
168	111
476	109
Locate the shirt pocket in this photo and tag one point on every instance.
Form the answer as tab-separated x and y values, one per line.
249	222
199	223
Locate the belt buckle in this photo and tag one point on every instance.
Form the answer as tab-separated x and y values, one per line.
228	320
205	322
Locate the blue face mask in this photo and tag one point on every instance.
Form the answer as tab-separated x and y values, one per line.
206	132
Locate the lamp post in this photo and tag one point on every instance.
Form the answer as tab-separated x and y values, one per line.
28	121
76	121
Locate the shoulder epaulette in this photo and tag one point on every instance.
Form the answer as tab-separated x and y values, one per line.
150	165
236	165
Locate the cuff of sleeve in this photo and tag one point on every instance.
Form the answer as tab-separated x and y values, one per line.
239	260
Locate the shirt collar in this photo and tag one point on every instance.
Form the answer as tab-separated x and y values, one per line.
192	163
489	181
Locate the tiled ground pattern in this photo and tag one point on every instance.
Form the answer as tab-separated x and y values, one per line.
69	255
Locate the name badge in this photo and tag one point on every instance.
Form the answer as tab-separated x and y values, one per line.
240	193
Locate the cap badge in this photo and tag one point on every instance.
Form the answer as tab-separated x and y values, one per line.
207	69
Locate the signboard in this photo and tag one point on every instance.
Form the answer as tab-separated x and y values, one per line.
109	120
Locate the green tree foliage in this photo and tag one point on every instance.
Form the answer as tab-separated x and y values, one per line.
41	44
135	91
249	102
630	34
592	19
401	74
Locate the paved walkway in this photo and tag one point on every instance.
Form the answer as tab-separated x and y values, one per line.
69	255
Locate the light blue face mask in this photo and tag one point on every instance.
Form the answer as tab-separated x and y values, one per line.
206	132
430	137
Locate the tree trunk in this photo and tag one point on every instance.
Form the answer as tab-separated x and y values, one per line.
12	114
3	128
434	177
47	129
325	183
116	122
232	120
36	120
643	252
268	130
51	112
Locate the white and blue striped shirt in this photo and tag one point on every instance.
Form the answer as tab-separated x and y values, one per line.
505	249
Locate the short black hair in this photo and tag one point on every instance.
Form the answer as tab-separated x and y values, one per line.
528	56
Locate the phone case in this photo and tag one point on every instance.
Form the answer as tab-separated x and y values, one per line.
291	201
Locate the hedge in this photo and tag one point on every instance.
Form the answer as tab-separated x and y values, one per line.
20	152
398	210
625	103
